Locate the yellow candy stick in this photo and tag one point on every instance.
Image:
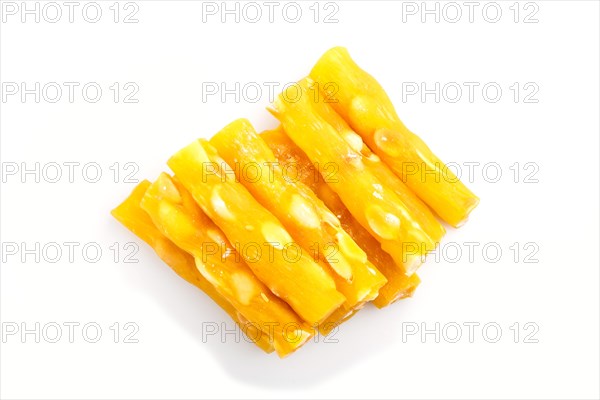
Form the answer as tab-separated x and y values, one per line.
361	181
300	211
131	215
399	285
363	103
263	242
175	213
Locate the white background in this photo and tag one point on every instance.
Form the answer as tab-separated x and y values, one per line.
169	53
